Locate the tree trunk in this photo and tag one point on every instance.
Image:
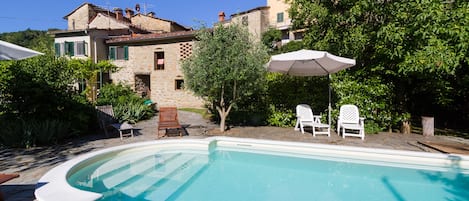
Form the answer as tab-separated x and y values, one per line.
223	114
428	126
222	122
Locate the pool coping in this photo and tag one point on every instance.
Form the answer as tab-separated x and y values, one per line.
54	186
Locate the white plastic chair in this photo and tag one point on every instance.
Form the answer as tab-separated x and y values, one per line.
305	117
350	122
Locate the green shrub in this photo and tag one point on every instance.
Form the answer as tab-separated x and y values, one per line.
31	132
281	117
127	105
38	103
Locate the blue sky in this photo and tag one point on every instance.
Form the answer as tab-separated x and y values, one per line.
19	15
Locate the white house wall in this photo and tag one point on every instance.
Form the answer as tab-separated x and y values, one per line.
77	39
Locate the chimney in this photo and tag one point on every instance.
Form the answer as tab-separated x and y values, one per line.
151	14
221	16
119	14
137	8
129	13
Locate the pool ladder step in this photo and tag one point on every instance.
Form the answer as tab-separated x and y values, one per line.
166	187
135	169
161	181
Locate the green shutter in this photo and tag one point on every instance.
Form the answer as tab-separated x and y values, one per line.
112	53
72	49
66	44
57	49
69	46
85	47
279	17
126	52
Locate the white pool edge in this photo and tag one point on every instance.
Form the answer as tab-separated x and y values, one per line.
54	186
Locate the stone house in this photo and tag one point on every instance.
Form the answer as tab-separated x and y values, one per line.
148	50
135	43
154	66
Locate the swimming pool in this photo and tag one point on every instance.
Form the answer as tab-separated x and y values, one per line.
223	168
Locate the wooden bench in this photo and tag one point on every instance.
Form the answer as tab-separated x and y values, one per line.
4	178
168	119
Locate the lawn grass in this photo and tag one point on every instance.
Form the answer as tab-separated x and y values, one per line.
204	112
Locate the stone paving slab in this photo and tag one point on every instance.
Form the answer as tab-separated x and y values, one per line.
32	163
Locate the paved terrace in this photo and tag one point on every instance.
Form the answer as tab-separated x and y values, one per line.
32	163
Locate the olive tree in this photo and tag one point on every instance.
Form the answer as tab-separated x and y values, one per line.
225	67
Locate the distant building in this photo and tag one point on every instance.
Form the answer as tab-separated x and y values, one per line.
260	19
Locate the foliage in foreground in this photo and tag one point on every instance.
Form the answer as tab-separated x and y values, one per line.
127	105
412	56
38	104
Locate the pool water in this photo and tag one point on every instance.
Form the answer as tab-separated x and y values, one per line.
235	175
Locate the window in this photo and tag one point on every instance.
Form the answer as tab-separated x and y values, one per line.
179	84
159	60
119	52
285	34
244	20
299	35
75	48
81	48
280	17
69	48
142	85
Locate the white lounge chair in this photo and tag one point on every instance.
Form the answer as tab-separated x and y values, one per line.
305	117
350	123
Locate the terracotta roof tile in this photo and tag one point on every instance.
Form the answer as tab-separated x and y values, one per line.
151	37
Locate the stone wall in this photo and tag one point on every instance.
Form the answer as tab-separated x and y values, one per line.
151	24
80	18
278	6
256	22
105	22
162	82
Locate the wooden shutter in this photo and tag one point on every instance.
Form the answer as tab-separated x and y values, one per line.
126	52
112	53
85	48
57	49
280	17
69	48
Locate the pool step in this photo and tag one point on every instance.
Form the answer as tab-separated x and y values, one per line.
171	170
122	164
170	184
121	176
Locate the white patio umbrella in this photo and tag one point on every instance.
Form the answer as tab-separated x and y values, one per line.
309	63
10	51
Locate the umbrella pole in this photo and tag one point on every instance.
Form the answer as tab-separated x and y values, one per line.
329	108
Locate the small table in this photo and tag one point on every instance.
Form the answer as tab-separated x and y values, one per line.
124	127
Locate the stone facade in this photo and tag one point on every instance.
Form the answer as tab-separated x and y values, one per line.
163	82
105	22
256	20
276	7
144	36
156	25
80	17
